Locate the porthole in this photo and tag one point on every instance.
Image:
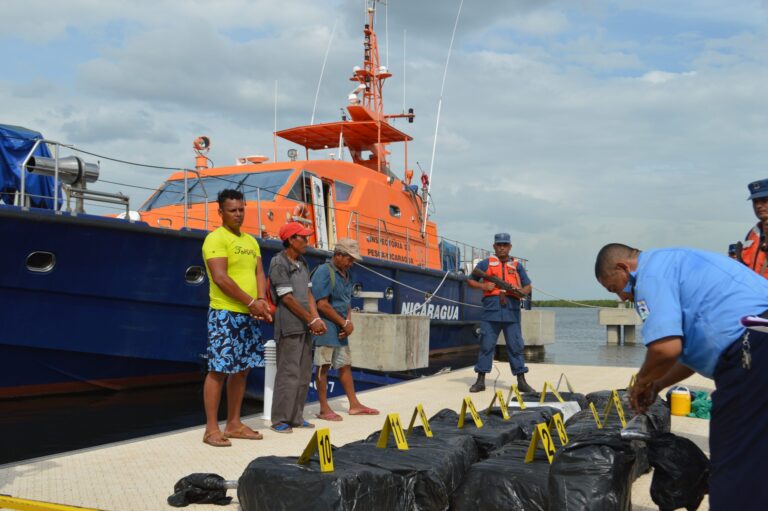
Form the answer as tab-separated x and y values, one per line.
389	293
41	262
357	289
195	275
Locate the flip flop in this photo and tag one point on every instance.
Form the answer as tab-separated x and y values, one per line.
364	411
281	427
216	442
245	433
330	416
306	424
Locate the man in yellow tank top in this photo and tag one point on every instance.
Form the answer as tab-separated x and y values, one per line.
237	286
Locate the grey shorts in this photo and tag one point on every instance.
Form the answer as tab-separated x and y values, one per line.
334	356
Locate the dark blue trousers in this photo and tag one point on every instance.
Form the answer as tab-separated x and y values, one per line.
738	436
513	336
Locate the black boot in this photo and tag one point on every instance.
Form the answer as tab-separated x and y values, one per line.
522	385
479	385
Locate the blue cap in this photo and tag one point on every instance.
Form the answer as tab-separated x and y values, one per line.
758	189
732	248
503	237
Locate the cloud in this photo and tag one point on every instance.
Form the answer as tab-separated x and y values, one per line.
568	124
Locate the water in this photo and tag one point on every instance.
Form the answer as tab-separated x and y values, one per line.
581	341
36	427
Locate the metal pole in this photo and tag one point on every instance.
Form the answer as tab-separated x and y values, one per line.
258	207
56	178
186	198
23	172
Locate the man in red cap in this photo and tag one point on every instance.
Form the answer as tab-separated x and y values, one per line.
296	320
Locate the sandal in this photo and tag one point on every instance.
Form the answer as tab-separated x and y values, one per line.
245	433
281	427
364	411
214	441
330	416
306	424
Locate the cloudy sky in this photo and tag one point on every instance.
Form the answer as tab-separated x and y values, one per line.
569	123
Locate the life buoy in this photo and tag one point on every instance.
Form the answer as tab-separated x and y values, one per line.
301	211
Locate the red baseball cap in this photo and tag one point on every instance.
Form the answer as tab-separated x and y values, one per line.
292	229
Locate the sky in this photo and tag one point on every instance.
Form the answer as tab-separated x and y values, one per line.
569	124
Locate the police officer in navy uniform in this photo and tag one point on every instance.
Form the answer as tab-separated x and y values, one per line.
691	303
754	252
501	311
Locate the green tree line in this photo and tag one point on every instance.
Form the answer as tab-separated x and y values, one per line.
564	303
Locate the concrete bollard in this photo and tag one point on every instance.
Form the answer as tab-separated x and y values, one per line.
270	369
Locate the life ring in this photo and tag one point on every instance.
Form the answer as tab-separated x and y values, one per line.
301	211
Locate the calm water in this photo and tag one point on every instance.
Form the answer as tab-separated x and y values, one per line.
43	426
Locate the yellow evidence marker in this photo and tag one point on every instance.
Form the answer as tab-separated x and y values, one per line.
502	404
552	388
595	415
513	389
467	403
615	402
320	443
392	425
557	423
419	410
541	435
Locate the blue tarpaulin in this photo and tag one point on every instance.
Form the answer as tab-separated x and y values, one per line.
15	144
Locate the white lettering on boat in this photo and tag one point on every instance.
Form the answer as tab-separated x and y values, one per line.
430	310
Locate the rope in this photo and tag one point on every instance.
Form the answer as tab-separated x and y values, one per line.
432	295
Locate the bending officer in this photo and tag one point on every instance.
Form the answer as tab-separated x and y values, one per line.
691	303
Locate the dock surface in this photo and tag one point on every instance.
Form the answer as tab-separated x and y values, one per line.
140	474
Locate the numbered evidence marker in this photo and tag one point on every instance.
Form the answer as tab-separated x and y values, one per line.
320	443
467	403
513	389
541	435
419	410
615	402
392	425
502	404
595	415
552	388
557	423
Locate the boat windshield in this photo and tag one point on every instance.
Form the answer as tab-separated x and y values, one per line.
172	192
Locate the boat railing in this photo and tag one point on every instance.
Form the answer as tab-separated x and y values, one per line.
72	175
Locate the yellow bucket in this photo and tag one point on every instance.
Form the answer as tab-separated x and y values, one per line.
680	401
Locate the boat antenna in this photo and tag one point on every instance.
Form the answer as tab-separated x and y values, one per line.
325	60
274	132
403	71
386	32
437	122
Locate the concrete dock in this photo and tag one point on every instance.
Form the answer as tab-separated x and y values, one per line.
140	474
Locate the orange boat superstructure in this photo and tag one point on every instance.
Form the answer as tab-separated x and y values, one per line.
360	199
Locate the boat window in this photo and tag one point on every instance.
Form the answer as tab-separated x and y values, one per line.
172	192
343	191
301	189
41	262
394	210
194	275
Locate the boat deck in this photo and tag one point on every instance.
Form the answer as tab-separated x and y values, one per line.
140	474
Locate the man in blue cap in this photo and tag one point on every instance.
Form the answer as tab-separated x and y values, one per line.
504	282
753	252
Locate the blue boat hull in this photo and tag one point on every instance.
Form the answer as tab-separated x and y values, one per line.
116	310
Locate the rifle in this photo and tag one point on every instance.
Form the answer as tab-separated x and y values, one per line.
508	288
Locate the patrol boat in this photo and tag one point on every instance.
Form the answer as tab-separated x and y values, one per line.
117	302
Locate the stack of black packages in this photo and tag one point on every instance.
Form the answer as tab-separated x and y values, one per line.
431	469
277	483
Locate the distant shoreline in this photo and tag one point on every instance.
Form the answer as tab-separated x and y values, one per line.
575	303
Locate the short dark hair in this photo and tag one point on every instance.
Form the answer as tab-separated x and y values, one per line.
608	255
228	193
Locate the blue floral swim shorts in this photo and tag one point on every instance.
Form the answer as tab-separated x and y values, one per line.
234	342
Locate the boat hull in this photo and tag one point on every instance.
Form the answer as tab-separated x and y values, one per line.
116	310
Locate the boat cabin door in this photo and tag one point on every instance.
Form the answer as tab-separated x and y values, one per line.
325	220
